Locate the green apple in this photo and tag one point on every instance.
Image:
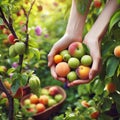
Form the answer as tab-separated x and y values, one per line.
71	76
58	97
20	47
73	62
86	60
63	52
66	57
12	52
44	91
27	102
51	102
76	49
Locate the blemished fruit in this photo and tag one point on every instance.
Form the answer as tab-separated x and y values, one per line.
58	58
95	115
12	52
43	99
53	90
73	62
58	97
19	48
97	3
51	102
117	51
62	69
83	72
11	38
71	76
76	49
86	60
34	99
84	103
111	87
40	107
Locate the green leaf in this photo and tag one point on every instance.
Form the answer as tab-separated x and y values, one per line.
115	18
116	97
1	21
111	66
11	70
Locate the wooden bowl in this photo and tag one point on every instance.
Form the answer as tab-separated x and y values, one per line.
49	111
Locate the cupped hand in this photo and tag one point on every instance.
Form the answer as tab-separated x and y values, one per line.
93	45
60	45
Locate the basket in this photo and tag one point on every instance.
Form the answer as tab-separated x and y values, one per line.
49	111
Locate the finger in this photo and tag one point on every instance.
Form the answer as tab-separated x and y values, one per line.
78	82
96	68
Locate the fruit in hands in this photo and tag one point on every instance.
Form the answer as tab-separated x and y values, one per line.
40	107
111	87
73	62
12	52
83	72
53	90
97	3
76	49
43	99
63	52
86	60
11	38
51	102
62	69
66	57
117	51
19	48
71	76
58	97
58	58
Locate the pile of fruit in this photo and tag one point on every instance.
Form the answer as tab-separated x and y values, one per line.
74	62
48	98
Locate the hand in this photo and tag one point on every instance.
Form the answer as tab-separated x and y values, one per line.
62	44
94	46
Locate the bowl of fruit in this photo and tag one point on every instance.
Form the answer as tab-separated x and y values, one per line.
49	101
75	62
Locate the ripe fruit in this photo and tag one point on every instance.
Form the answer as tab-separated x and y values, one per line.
11	38
83	72
84	103
76	49
58	97
3	95
53	90
51	102
71	76
111	87
40	107
73	62
95	115
12	52
34	99
38	30
27	102
97	3
19	48
43	99
86	60
58	58
117	51
62	69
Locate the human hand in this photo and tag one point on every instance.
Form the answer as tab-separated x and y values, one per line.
93	45
62	44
